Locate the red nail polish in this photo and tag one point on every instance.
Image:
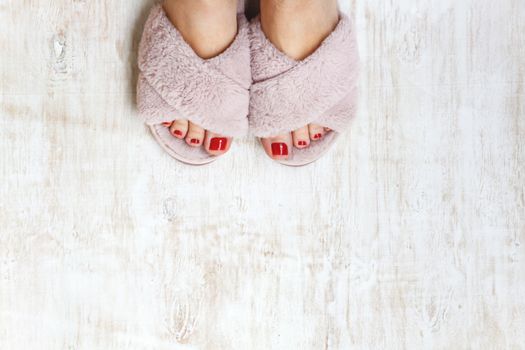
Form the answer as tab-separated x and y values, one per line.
279	149
166	124
178	133
195	141
218	144
318	136
302	143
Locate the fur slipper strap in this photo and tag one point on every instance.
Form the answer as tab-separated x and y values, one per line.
175	83
321	89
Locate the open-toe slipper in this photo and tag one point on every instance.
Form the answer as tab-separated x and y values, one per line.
288	94
175	83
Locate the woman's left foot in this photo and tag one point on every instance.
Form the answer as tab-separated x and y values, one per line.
209	27
196	136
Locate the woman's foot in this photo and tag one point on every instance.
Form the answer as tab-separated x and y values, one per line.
297	28
195	136
209	27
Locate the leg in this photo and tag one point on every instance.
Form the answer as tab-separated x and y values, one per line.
297	28
209	27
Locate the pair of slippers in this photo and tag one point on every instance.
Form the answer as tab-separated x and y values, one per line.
250	87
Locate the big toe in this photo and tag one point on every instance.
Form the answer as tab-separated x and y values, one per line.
278	147
216	144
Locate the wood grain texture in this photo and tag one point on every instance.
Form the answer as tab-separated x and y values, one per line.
408	235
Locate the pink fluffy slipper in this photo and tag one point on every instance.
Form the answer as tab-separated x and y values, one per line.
175	83
321	89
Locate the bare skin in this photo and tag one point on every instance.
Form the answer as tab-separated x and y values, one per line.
296	27
209	27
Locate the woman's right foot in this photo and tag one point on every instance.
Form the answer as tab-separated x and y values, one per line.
297	28
209	27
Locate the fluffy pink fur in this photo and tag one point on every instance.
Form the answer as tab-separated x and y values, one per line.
175	83
321	89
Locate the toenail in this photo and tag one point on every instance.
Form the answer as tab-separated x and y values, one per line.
195	141
279	149
302	143
318	136
177	132
166	124
218	144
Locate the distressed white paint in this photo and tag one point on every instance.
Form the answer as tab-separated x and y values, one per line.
408	235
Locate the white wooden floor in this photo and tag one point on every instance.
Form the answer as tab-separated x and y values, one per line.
410	234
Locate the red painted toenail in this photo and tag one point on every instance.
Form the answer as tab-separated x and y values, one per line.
195	141
177	133
166	124
279	149
302	143
218	143
318	136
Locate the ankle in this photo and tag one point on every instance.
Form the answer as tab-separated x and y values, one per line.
296	27
208	26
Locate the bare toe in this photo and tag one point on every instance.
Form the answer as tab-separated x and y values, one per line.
316	132
195	135
216	144
179	128
278	147
301	137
